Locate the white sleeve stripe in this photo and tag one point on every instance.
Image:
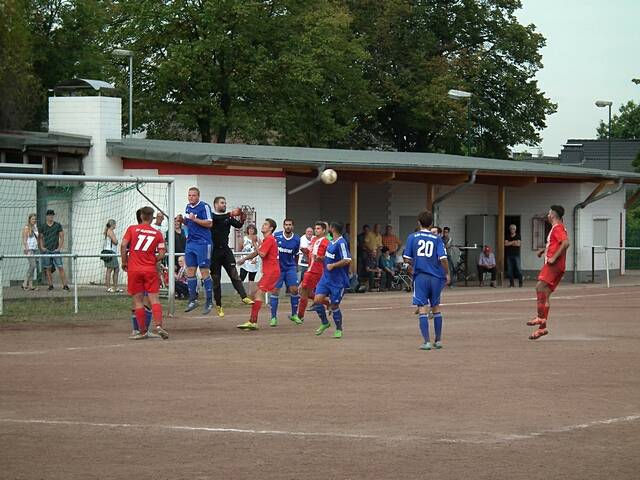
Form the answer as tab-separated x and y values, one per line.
208	211
345	254
443	257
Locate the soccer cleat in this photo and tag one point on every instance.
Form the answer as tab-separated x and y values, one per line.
191	306
66	287
273	322
50	287
337	334
320	330
425	346
247	301
133	334
138	336
220	311
207	308
438	345
161	332
248	326
541	332
152	334
295	319
537	321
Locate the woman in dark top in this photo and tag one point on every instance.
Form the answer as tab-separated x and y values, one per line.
512	256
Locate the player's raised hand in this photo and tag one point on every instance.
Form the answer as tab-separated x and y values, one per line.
236	212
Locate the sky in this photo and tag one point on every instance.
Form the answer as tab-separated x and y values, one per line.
592	53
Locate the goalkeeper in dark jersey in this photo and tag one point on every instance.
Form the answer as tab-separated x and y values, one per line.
222	256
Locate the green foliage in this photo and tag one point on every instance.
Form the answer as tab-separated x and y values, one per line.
633	234
625	124
420	50
19	86
285	72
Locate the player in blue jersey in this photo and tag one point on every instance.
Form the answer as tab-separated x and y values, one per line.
334	281
427	253
197	252
288	250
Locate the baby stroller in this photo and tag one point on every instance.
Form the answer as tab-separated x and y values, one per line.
402	279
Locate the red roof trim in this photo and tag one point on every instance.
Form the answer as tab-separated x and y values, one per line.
165	168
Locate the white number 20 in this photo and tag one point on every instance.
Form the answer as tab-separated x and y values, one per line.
141	239
425	249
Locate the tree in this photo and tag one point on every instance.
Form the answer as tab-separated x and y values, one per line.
626	124
280	71
420	50
19	86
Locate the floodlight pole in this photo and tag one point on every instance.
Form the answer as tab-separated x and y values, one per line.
462	95
607	103
128	53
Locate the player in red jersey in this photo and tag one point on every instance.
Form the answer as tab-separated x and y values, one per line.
555	256
312	276
268	251
142	242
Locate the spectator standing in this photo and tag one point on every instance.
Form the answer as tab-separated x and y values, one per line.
512	255
448	244
160	224
30	247
51	240
110	244
373	241
487	263
180	235
303	257
182	290
387	267
391	241
250	267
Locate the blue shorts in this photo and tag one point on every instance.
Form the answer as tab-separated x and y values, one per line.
288	277
326	289
197	255
427	289
47	262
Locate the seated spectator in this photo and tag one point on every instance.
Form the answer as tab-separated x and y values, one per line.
391	241
373	271
487	263
387	269
182	291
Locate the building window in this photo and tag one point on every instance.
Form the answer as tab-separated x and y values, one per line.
540	228
600	232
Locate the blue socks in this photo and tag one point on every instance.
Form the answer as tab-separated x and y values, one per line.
273	301
208	289
322	313
337	318
192	284
295	300
437	325
423	318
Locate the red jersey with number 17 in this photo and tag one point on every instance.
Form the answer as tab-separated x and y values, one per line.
270	261
144	241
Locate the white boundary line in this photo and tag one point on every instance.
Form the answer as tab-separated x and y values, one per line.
491	437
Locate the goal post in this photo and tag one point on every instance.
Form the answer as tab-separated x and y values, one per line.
83	205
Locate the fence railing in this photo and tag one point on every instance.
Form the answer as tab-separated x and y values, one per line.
605	251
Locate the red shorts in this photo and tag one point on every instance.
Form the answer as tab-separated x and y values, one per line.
268	281
551	275
310	280
140	282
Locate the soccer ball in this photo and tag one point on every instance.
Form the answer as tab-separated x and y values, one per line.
328	176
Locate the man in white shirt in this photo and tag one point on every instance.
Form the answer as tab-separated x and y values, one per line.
303	257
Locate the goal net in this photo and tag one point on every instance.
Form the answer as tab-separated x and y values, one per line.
83	208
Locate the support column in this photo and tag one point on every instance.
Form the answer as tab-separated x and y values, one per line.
430	197
500	235
353	234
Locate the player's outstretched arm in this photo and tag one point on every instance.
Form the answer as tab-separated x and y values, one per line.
340	263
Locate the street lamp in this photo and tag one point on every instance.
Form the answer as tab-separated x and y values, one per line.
601	104
118	52
462	95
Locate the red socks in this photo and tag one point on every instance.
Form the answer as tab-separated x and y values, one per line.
156	310
141	319
255	309
543	305
302	306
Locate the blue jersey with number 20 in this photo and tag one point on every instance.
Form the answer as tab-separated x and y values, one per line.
425	250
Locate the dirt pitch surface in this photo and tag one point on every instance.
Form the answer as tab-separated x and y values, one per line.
214	402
